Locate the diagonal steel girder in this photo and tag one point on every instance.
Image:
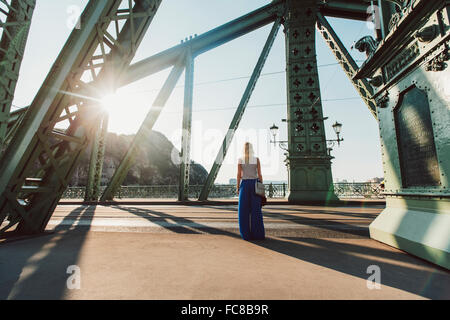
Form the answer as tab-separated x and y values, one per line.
15	29
239	112
40	160
149	121
347	63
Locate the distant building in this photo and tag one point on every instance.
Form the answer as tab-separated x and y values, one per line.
233	181
375	180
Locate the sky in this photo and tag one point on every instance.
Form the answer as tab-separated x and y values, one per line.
220	78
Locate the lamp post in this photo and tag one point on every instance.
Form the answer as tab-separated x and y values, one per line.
337	127
282	144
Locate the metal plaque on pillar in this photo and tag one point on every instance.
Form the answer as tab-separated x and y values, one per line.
417	152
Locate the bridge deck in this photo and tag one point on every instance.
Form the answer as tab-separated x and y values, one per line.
195	252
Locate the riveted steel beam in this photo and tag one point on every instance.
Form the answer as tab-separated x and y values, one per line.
185	153
15	21
239	112
14	121
39	162
348	9
347	63
146	127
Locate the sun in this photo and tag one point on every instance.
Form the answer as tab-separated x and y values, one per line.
111	102
126	111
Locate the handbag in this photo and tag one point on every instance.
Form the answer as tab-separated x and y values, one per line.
260	189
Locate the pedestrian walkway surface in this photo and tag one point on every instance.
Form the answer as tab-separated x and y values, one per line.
195	252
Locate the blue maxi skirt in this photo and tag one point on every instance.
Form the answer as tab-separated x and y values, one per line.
251	223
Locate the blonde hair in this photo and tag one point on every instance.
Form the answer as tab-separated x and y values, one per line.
248	152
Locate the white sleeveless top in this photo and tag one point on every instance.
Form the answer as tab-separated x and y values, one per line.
250	169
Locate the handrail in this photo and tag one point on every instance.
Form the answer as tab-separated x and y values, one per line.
370	190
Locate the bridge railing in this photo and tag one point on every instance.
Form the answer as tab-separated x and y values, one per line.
369	190
343	190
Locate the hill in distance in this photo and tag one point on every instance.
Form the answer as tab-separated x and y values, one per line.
153	162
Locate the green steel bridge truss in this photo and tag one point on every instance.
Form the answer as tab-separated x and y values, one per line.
39	159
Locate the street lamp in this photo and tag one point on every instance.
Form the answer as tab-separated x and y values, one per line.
337	127
274	132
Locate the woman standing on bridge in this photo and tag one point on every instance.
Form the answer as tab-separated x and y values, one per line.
251	223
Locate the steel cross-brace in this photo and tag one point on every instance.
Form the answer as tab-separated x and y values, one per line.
15	29
239	112
38	163
349	65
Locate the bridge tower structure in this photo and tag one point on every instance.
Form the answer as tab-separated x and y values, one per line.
308	161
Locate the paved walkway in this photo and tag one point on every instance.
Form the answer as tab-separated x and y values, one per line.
195	252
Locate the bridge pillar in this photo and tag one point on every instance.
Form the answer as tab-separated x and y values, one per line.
413	98
309	163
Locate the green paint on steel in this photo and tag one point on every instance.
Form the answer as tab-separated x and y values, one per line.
349	65
12	47
97	159
32	206
309	164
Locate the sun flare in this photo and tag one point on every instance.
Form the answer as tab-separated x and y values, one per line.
126	111
111	102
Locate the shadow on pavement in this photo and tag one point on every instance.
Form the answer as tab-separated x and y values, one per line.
36	267
405	272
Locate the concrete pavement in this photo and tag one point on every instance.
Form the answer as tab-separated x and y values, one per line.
195	252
